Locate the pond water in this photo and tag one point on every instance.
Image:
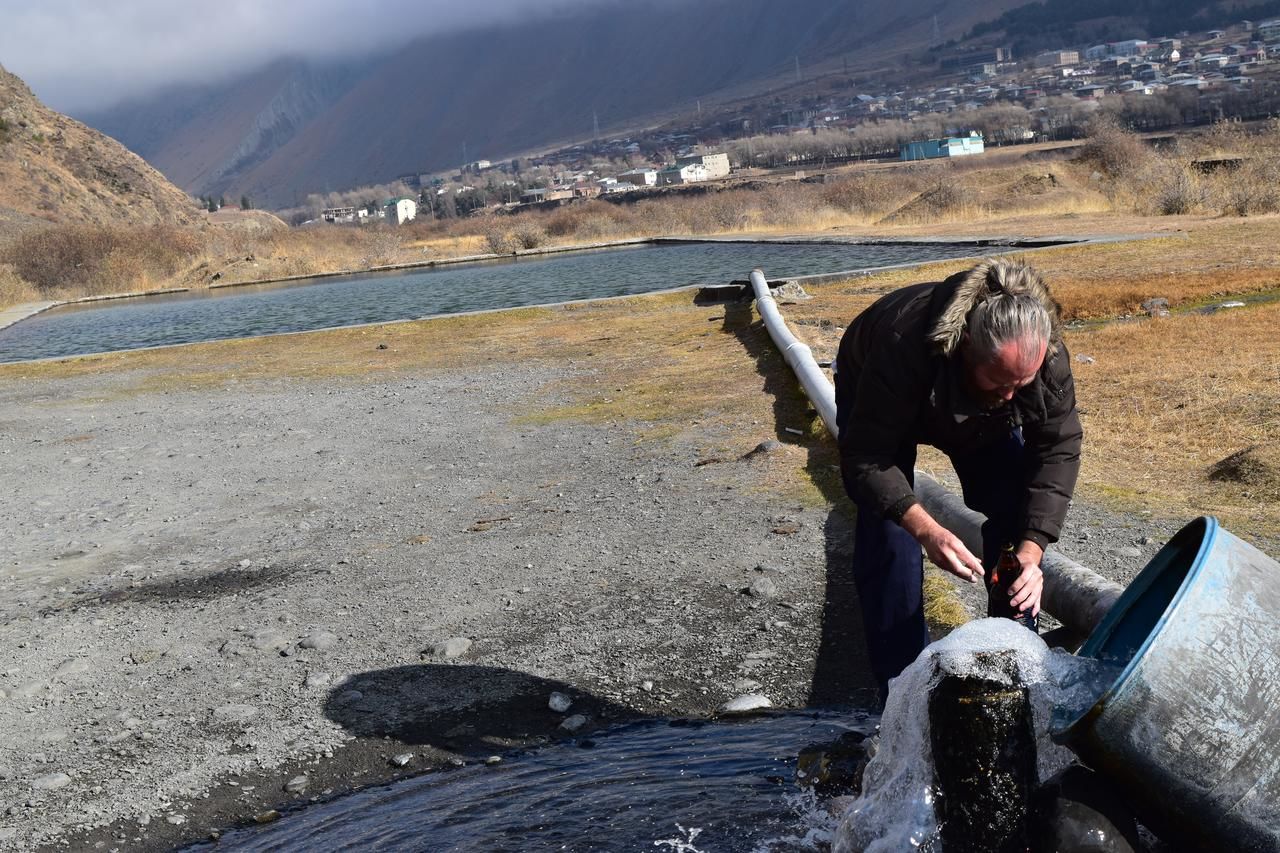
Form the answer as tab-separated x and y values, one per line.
381	297
678	787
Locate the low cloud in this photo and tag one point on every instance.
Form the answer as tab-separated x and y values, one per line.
80	55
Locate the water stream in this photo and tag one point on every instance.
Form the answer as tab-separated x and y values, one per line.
702	787
295	306
676	787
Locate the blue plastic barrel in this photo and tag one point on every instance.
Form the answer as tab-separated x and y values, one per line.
1191	727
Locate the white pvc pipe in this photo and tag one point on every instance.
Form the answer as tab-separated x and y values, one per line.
1076	596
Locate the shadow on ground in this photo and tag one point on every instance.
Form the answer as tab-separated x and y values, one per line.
842	675
464	709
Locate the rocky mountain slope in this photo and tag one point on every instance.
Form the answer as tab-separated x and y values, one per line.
296	127
55	169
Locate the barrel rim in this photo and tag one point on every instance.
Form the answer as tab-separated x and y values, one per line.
1140	584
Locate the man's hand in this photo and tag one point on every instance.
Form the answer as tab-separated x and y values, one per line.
1025	592
943	547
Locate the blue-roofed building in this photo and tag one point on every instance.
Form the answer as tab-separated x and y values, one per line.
951	146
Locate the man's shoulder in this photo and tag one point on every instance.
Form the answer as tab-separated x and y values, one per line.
902	310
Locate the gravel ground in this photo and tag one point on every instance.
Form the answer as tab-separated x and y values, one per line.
219	602
207	594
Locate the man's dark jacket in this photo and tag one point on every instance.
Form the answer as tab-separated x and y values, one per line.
900	383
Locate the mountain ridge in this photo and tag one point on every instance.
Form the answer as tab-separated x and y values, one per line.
503	90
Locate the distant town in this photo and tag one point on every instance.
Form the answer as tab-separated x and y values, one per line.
975	98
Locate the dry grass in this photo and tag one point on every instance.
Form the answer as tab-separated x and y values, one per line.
14	290
1165	400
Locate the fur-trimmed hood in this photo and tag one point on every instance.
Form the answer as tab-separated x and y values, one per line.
991	277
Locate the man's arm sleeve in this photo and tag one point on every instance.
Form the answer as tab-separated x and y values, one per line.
1053	456
882	413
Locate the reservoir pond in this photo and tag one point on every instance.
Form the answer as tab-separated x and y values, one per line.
303	305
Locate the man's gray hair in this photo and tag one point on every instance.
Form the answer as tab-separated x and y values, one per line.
997	301
1004	318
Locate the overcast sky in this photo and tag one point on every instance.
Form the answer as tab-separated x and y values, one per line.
79	55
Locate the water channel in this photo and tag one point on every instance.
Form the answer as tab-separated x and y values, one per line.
296	306
673	787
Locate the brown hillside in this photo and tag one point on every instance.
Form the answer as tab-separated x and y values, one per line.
55	169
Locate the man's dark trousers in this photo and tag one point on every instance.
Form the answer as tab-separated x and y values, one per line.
887	565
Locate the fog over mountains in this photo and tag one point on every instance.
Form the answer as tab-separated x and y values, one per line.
296	126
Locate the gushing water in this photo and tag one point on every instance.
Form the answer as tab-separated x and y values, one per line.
896	809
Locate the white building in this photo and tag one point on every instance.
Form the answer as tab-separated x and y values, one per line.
717	165
689	174
640	177
402	210
338	214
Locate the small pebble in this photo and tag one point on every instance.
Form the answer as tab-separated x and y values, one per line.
402	759
746	703
493	759
321	641
559	703
454	647
51	781
316	679
572	724
297	785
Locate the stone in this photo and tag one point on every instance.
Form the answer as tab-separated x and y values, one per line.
1081	810
559	703
646	686
297	785
789	290
454	647
765	448
176	819
349	696
316	679
834	768
747	703
321	641
234	712
402	759
51	781
746	685
572	724
763	588
1085	359
269	816
1156	307
268	640
493	759
72	666
244	564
